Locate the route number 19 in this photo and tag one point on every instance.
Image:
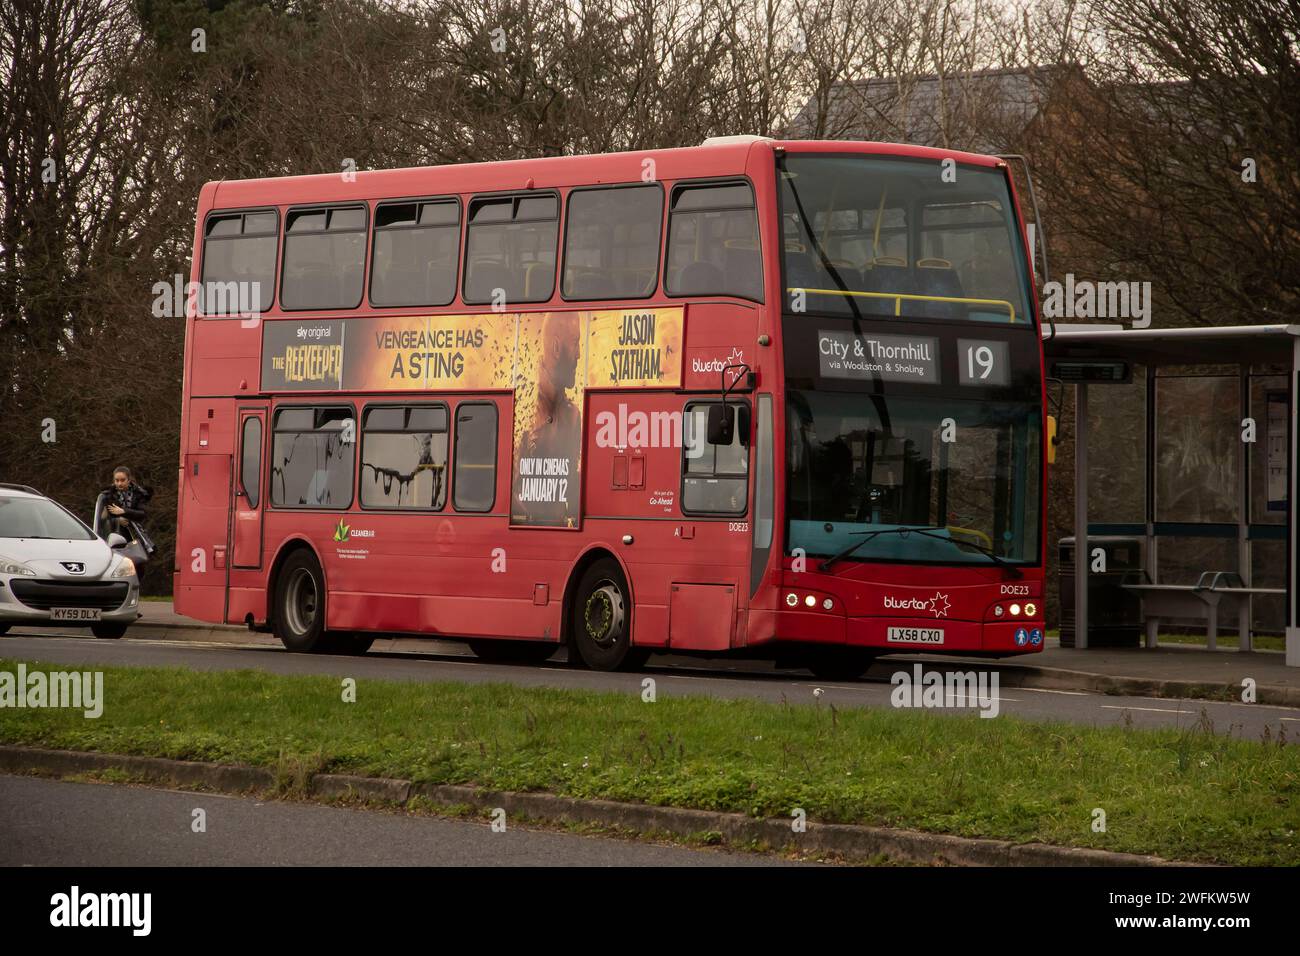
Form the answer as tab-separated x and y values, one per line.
983	362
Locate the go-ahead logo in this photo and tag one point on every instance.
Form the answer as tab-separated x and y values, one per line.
343	532
938	604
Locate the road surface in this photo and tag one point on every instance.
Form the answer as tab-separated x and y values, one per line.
679	678
64	823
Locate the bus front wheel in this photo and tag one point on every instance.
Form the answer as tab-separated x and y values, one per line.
300	605
602	620
841	663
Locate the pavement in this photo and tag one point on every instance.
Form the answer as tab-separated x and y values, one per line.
1168	671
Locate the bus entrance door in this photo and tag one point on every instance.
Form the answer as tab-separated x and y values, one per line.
246	534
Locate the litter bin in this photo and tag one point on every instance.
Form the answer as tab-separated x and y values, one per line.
1114	614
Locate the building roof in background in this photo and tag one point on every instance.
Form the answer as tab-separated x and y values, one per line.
980	111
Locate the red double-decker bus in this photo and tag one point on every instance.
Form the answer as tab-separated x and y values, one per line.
783	398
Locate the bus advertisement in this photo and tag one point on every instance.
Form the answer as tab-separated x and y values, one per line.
783	399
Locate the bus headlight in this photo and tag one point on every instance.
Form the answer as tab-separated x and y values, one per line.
1031	610
1015	610
810	600
792	599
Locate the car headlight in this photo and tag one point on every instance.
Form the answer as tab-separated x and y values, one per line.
10	566
125	567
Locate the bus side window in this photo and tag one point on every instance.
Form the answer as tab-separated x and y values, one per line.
416	253
611	242
510	249
474	481
312	457
404	457
713	242
715	478
324	258
239	263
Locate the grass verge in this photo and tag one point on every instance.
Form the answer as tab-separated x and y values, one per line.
1189	794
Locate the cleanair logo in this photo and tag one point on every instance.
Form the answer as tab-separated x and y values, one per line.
937	605
345	532
103	909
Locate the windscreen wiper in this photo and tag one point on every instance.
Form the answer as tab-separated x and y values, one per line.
999	561
866	536
926	532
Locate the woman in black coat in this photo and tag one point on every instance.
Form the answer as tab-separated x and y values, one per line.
125	503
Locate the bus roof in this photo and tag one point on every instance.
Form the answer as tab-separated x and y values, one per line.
723	156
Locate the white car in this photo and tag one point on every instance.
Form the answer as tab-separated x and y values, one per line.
55	572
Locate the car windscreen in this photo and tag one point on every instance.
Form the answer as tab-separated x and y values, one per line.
39	518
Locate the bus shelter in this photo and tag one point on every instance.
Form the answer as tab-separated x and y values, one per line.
1185	440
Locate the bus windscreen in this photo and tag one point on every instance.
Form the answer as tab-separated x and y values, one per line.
867	236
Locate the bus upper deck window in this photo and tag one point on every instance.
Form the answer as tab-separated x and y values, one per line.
238	263
416	252
713	242
324	258
611	242
510	249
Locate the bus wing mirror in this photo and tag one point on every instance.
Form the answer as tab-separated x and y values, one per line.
722	424
1051	439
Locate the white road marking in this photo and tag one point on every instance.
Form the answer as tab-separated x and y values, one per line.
1154	710
1067	693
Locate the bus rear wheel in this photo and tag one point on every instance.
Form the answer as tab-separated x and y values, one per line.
602	620
513	652
300	606
841	663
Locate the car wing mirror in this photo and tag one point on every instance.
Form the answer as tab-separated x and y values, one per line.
115	540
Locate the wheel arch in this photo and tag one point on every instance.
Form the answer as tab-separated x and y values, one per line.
585	560
288	547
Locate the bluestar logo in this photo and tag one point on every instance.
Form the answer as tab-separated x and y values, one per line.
937	605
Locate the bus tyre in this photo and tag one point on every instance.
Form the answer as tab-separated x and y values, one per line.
841	663
108	631
602	620
513	652
300	605
352	644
